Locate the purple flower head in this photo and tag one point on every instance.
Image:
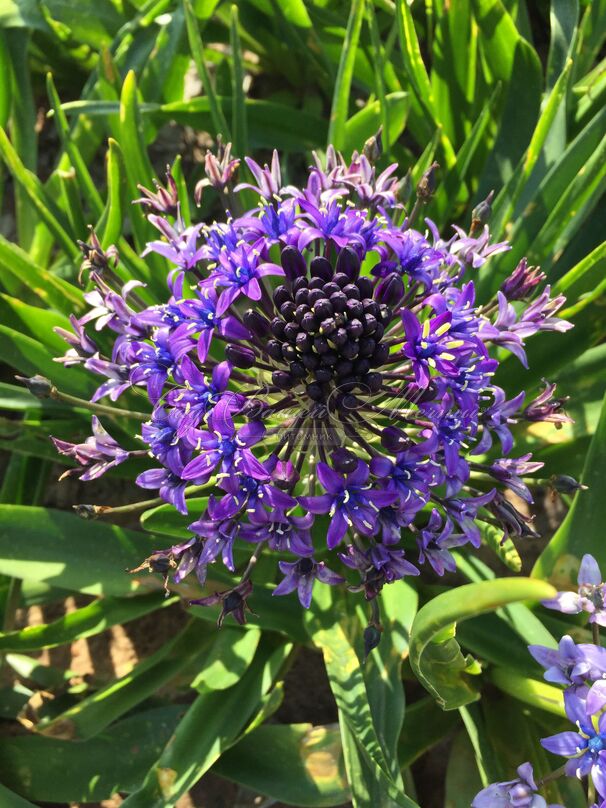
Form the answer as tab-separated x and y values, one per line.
518	793
181	245
435	541
378	566
269	178
586	747
326	359
239	272
350	501
571	665
95	456
590	596
284	532
301	575
430	347
171	487
510	471
475	251
223	444
414	258
153	364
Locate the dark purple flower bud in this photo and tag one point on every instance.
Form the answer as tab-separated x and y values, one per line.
293	263
233	601
257	323
344	460
285	475
372	638
39	386
522	281
240	356
348	262
390	290
321	268
394	439
565	484
426	186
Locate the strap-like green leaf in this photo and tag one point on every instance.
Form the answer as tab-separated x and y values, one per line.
435	655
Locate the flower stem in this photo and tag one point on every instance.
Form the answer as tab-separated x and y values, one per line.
595	630
98	409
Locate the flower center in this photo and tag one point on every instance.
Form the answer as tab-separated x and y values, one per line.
328	333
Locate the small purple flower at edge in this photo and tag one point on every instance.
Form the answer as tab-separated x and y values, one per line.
589	597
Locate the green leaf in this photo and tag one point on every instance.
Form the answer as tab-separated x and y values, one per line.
38	322
462	778
185	652
211	725
83	622
504	204
331	628
530	691
47	209
426	725
6	88
296	764
446	196
582	529
366	122
90	770
50	289
54	547
228	658
12	800
340	100
435	655
383	668
453	69
88	187
109	226
417	73
29	357
239	120
514	62
197	50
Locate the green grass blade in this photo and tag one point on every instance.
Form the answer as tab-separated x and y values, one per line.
87	185
239	118
197	50
87	621
582	530
109	226
213	723
48	288
509	195
340	100
44	204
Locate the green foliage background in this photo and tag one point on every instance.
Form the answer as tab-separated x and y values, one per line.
505	95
